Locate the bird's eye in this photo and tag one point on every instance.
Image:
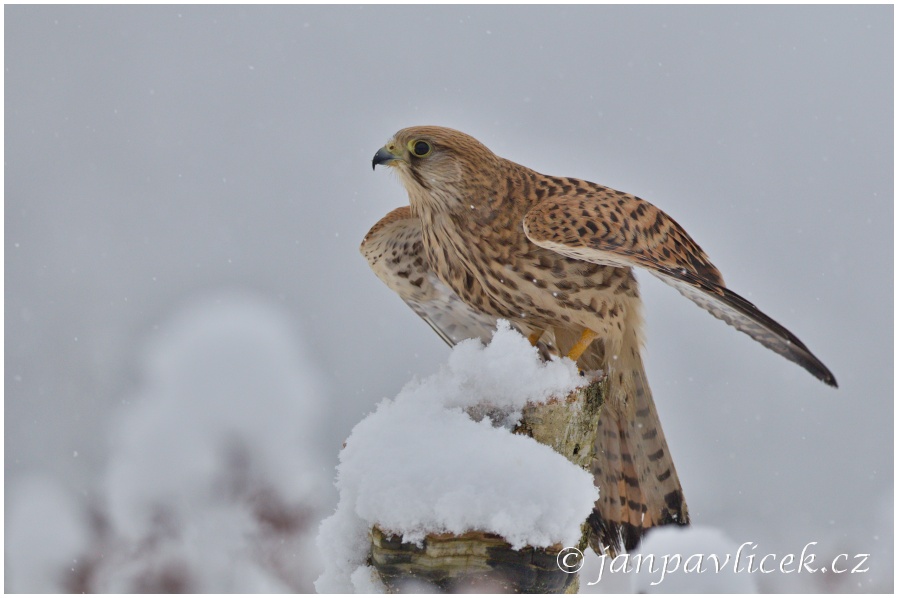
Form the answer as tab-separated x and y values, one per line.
419	148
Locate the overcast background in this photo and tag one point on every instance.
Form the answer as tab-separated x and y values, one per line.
160	156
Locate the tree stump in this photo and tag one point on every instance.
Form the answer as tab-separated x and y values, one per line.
485	561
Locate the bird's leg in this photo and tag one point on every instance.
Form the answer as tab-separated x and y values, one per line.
582	345
535	336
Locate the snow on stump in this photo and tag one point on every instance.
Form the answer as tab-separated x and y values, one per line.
473	478
485	561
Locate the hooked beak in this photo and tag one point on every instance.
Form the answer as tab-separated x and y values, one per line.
383	156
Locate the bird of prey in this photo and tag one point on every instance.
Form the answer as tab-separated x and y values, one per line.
484	238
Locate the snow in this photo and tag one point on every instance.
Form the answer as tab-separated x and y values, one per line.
225	388
44	536
678	551
214	483
506	374
365	581
421	464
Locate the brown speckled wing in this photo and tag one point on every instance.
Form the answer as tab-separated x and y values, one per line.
617	229
394	250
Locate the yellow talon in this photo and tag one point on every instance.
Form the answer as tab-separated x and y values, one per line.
582	345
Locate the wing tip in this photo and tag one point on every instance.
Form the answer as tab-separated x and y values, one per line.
794	350
828	378
812	365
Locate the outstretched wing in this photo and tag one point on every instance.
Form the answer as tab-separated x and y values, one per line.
394	250
617	229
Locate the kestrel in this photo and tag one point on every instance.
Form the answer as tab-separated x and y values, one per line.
485	238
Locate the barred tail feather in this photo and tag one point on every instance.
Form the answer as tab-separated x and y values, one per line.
638	483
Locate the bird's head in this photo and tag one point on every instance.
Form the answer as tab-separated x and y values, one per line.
435	162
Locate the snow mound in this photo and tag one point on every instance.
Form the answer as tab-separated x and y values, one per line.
420	464
215	462
696	562
225	389
215	482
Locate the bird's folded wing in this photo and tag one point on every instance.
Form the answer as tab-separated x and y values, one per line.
618	229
